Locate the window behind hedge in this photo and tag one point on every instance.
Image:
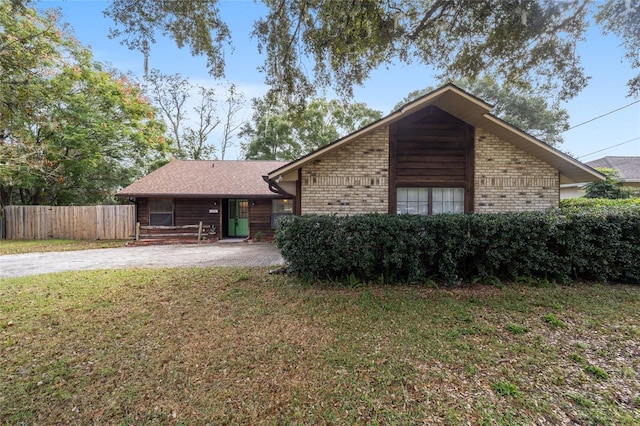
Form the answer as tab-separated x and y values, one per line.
280	208
429	201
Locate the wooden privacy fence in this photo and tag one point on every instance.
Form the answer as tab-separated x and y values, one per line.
69	222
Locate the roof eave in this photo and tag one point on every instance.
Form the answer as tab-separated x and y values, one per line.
573	171
212	196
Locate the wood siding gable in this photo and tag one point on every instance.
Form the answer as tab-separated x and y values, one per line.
431	148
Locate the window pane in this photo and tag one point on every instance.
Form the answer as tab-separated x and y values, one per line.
161	219
243	209
423	208
164	205
441	200
437	195
437	207
282	206
403	208
402	194
448	200
161	212
412	207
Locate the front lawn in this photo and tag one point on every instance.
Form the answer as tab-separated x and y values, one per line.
238	346
31	246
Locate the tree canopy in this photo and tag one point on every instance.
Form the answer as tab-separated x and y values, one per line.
529	43
282	134
531	113
72	131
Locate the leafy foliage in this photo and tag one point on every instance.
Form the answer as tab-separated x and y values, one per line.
507	39
71	130
602	246
531	43
285	134
610	188
598	205
196	24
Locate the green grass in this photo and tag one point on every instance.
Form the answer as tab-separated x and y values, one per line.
239	346
30	246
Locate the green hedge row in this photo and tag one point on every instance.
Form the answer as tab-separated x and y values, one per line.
560	246
599	205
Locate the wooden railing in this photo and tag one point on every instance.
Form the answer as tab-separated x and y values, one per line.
198	232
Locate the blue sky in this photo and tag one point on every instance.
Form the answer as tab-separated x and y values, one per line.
603	60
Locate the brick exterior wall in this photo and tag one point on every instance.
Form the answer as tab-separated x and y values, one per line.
508	179
354	178
351	179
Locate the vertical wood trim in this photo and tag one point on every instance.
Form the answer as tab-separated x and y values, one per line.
470	172
250	216
559	180
298	204
220	230
392	208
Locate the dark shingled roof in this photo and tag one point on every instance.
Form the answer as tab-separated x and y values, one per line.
205	178
628	167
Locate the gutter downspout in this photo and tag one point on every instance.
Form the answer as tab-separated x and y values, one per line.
275	188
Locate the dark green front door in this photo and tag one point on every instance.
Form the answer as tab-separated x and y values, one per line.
238	218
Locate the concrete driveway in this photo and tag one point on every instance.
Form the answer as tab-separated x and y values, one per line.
218	254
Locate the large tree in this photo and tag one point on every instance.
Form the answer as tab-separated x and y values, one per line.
533	114
284	134
231	109
71	130
193	112
531	43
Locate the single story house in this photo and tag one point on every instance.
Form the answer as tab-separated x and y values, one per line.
229	195
628	168
442	153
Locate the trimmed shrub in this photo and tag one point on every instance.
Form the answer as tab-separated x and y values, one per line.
601	244
598	205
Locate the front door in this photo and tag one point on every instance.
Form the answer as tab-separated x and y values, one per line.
238	218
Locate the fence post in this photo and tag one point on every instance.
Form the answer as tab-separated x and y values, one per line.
137	231
200	231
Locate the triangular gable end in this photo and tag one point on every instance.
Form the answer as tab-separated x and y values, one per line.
473	111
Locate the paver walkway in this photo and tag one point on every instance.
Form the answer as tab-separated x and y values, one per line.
218	254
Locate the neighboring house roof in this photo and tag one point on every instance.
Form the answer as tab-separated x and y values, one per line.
205	178
476	112
628	167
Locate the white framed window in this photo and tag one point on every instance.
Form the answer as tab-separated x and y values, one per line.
428	201
161	212
280	207
448	200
